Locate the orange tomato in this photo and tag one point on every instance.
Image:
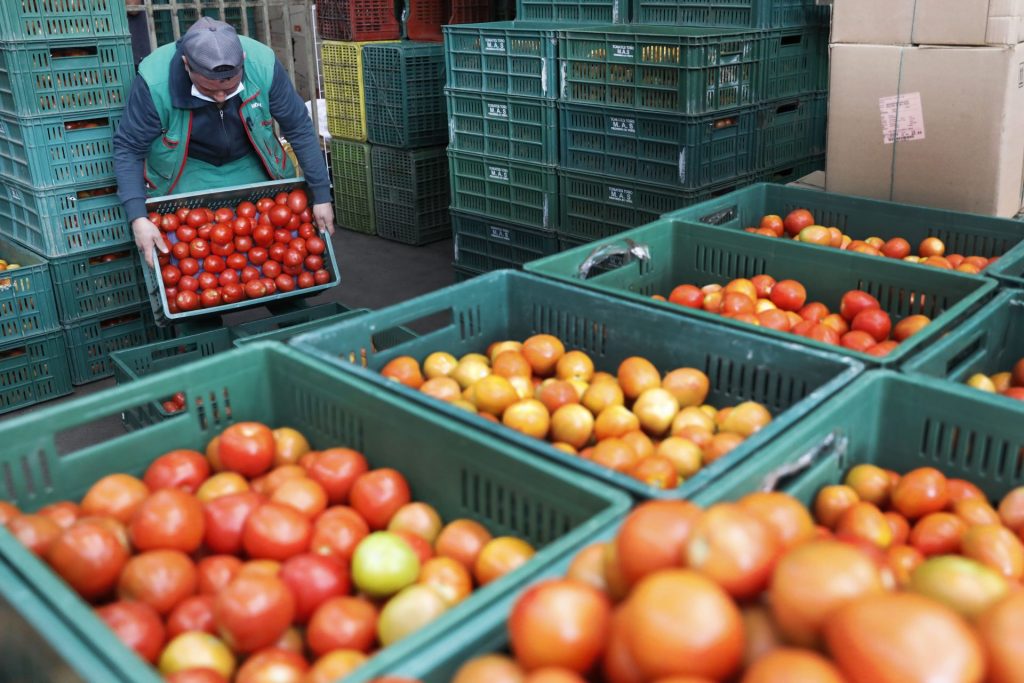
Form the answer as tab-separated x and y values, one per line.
786	516
499	557
1011	509
1000	628
448	577
654	536
938	533
405	370
733	548
900	527
920	492
786	665
976	511
866	522
542	352
995	546
462	540
490	669
870	483
831	502
656	471
902	560
588	567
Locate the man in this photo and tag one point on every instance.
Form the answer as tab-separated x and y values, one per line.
200	117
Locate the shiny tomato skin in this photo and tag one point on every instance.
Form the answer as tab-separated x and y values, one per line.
182	469
336	469
168	519
276	532
159	578
225	519
297	201
342	623
314	579
137	625
194	613
378	494
253	611
90	557
214	572
337	532
247	448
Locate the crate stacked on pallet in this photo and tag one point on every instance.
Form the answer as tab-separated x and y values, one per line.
655	116
502	85
65	72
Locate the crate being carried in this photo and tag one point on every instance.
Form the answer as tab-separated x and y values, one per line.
411	194
403	85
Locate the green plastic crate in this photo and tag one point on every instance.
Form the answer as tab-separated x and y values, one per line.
795	63
411	194
63	220
990	342
229	197
787	379
163	21
33	369
60	20
27	304
860	218
513	191
353	186
49	79
463	273
404	100
662	68
734	13
516	128
456	469
791	130
672	150
503	58
574	11
595	206
51	151
91	340
791	172
679	252
95	282
484	245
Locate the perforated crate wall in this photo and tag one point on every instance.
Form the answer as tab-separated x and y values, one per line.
574	11
343	89
507	58
91	340
60	20
483	245
519	128
33	369
58	150
403	84
411	194
423	19
96	282
353	186
513	191
735	13
27	304
357	20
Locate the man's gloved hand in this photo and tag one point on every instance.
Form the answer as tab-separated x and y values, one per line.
147	236
323	217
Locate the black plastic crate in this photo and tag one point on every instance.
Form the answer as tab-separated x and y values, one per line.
483	244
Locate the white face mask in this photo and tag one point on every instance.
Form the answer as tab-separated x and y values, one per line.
196	93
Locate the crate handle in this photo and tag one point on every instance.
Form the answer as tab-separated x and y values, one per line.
721	216
622	256
833	443
724	123
788	107
72	52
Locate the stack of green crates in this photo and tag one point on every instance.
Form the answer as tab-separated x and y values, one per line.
406	126
65	73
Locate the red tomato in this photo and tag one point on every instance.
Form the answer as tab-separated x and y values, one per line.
313	263
179	250
314	579
194	613
235	261
8	511
169	223
258	255
196	217
64	512
249	273
179	469
216	571
273	665
342	623
336	469
285	283
186	233
789	295
187	300
292	258
306	280
306	215
159	578
207	280
246	210
276	532
243	244
168	519
214	264
254	289
203	233
182	213
854	302
271	269
222	234
228	277
187	283
270	285
89	557
298	244
263	235
242	227
253	611
297	201
279	215
232	292
136	625
315	246
263	205
293	224
247	448
225	518
875	322
223	215
171	275
306	230
210	298
199	248
337	531
188	266
35	532
277	251
223	250
378	494
281	198
115	495
321	277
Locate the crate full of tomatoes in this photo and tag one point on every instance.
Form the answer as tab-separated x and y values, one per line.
237	247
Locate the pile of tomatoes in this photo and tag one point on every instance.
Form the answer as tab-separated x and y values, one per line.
859	325
799	225
1008	383
657	429
246	252
300	563
891	579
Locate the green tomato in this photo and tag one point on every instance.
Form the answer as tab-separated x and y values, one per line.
966	586
383	564
412	609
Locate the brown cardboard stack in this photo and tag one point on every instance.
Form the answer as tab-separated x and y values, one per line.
927	102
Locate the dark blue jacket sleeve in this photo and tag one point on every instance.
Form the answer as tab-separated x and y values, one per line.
139	127
289	111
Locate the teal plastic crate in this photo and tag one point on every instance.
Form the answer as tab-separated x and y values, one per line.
403	85
230	197
795	63
352	174
58	150
513	191
516	128
679	252
789	380
27	304
457	470
59	20
411	194
574	11
991	341
51	78
483	245
671	150
63	220
860	218
673	69
33	369
734	13
596	206
95	282
503	58
791	130
462	273
90	341
163	26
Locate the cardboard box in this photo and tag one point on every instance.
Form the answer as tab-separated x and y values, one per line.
935	126
928	22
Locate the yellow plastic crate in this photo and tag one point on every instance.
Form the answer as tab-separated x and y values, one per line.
343	88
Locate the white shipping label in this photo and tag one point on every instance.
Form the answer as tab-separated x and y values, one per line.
497	111
619	124
619	194
902	118
623	51
494	44
497	173
501	234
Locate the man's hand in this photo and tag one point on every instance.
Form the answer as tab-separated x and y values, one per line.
323	217
147	236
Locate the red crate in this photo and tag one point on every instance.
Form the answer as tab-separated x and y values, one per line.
357	20
424	20
470	12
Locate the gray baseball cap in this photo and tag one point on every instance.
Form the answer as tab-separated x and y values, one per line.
213	49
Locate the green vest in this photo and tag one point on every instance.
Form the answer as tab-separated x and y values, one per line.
169	153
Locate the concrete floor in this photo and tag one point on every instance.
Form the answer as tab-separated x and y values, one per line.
374	273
